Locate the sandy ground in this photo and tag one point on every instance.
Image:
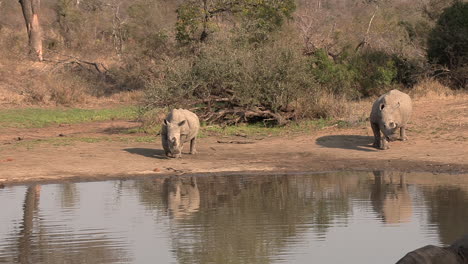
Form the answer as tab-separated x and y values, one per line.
438	136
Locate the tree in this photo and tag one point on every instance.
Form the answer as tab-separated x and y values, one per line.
258	17
31	16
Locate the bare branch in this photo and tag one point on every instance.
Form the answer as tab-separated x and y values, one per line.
365	41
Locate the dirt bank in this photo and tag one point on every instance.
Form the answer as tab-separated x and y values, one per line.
437	142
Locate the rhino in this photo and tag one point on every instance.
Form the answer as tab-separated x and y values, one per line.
179	126
457	253
390	112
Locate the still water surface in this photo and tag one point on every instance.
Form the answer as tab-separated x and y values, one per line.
346	217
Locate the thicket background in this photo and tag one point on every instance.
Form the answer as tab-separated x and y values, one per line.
234	60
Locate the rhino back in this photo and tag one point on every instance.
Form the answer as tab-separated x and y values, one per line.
431	254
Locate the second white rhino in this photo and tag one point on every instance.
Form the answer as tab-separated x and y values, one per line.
390	113
179	127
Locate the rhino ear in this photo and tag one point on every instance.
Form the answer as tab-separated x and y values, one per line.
165	122
182	123
382	106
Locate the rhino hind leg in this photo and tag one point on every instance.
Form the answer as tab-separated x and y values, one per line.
193	144
376	130
403	136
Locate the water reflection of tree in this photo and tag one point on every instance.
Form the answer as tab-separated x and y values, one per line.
39	243
69	195
252	219
30	207
150	192
448	209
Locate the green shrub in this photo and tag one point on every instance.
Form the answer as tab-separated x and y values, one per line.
255	19
377	70
261	18
448	42
337	77
189	21
409	71
355	75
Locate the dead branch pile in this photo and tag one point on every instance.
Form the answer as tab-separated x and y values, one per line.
230	112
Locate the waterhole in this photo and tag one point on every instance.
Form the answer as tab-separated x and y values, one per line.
344	217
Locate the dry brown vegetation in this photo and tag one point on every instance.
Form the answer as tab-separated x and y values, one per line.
316	60
431	88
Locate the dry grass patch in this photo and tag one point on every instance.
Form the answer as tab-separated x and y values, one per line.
329	106
429	89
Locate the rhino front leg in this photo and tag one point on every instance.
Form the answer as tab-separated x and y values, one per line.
384	143
193	144
179	155
403	136
376	130
166	148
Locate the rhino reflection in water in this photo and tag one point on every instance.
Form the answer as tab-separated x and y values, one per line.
390	197
183	197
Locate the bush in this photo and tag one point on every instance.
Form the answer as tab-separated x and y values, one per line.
227	82
257	18
448	42
377	70
357	74
223	78
337	77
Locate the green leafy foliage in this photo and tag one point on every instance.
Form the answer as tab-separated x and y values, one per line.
354	74
338	77
189	20
377	70
448	42
257	17
260	18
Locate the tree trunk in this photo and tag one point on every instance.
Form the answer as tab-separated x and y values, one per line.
31	17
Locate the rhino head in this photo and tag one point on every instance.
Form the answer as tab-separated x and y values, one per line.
173	135
390	121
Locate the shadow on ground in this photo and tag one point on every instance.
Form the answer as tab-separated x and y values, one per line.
362	143
148	152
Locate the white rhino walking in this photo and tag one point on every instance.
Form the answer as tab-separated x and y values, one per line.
390	112
180	126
